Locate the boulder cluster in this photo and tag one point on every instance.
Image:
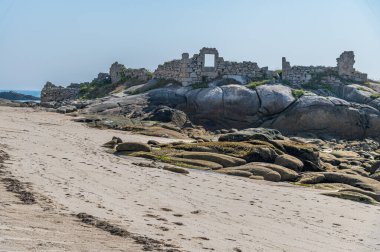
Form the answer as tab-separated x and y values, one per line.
350	168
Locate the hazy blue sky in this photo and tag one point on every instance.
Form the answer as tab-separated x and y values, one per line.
68	41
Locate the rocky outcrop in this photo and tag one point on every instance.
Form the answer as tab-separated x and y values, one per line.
327	116
274	98
342	166
272	106
268	106
356	93
133	146
167	114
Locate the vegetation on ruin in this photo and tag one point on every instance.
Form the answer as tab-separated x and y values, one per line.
298	93
316	82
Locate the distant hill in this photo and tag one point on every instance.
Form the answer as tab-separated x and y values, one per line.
13	96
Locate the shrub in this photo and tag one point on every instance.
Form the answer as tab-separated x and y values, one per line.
279	71
159	84
255	84
367	83
375	96
199	85
286	82
297	93
361	89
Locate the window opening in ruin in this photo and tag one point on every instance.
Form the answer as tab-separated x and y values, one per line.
209	60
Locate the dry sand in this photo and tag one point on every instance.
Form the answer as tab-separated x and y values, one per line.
63	162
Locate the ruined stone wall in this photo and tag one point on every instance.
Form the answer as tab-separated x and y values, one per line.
119	72
343	71
300	74
53	93
102	78
193	70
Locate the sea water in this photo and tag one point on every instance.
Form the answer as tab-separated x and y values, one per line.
36	93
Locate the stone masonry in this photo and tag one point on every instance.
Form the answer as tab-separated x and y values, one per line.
119	72
53	93
194	70
344	70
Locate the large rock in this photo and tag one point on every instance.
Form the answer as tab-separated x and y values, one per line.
375	167
252	134
312	178
167	114
133	147
266	173
286	174
261	154
375	103
194	163
230	105
239	103
307	153
289	161
271	106
323	116
356	93
224	160
376	176
102	107
66	109
353	180
354	196
270	172
238	173
274	98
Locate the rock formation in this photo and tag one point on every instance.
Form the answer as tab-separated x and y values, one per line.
271	106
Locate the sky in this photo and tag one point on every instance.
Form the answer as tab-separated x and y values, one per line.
71	41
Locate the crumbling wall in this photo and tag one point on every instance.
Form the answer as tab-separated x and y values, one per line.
343	71
300	74
119	73
102	78
345	66
193	70
53	93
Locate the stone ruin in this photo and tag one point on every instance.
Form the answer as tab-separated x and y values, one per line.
207	66
199	69
343	71
53	93
120	73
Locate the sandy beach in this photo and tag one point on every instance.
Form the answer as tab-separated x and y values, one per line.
65	166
